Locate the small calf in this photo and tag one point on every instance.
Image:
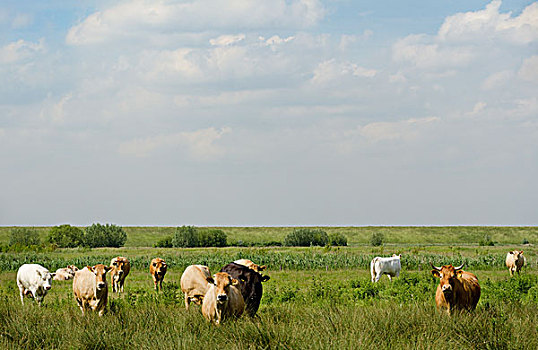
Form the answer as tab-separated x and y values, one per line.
157	269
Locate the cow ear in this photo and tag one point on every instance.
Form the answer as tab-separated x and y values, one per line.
53	274
436	273
108	268
521	252
261	268
234	282
210	279
459	273
265	278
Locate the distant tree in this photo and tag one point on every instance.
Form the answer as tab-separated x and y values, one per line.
24	237
66	236
377	239
108	235
337	239
306	237
190	236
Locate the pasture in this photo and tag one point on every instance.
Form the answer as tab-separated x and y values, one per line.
317	298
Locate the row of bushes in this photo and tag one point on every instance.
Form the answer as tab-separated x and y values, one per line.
67	236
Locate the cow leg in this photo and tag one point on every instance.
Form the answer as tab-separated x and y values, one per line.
378	277
161	285
187	301
22	291
390	277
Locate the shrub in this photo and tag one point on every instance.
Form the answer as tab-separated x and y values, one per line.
337	239
377	239
66	236
306	237
108	235
24	237
525	241
190	236
166	242
487	241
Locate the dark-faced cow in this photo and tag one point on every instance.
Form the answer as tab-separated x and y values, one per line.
388	266
194	284
120	269
457	289
157	269
222	300
515	261
90	288
34	281
250	285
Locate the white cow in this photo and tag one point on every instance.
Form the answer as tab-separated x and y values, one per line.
388	266
34	281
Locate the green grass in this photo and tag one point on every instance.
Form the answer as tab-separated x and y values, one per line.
457	235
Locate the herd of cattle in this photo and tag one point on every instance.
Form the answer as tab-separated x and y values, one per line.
237	288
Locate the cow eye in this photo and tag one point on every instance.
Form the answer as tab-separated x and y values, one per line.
154	264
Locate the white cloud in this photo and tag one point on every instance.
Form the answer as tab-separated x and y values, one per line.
529	69
332	69
406	129
490	23
20	50
497	80
144	16
199	144
225	40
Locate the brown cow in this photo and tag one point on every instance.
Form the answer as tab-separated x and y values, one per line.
120	269
457	289
515	261
251	265
222	300
194	284
157	268
90	288
66	273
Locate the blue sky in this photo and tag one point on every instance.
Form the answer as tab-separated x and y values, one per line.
253	112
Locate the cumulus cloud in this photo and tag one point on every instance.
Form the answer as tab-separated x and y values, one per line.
199	144
529	69
225	40
332	69
406	129
497	80
144	16
20	50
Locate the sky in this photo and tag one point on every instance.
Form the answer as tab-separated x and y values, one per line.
269	112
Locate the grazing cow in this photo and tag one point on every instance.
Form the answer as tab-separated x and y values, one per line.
250	285
120	269
194	284
388	266
222	299
515	261
457	289
157	268
66	273
251	265
90	288
34	281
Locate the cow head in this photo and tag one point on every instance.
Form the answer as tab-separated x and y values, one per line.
222	281
46	277
159	266
517	254
119	264
447	275
100	271
72	268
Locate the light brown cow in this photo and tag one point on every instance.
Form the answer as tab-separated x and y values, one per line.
222	300
194	284
457	289
515	261
251	265
66	273
91	289
120	269
157	268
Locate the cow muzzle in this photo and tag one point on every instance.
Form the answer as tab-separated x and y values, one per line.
447	289
221	298
101	285
47	287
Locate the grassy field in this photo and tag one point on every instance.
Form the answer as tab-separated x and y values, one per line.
456	235
317	298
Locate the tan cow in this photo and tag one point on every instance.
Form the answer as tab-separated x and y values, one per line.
120	269
194	284
515	261
457	289
90	288
66	273
251	265
222	300
157	268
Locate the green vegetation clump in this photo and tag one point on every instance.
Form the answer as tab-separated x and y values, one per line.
377	239
108	235
165	242
65	236
306	237
23	237
191	237
337	239
487	241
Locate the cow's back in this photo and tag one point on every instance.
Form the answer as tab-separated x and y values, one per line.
471	288
194	280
